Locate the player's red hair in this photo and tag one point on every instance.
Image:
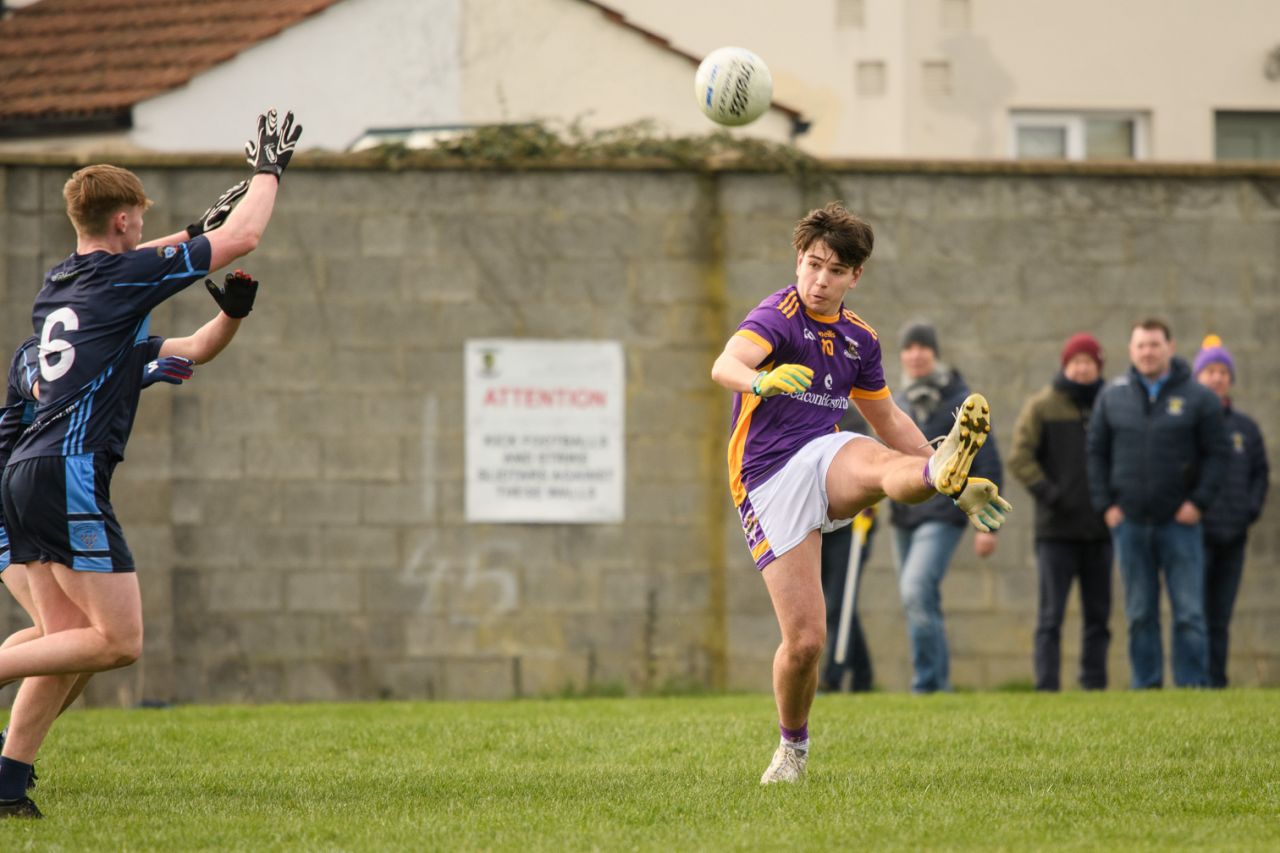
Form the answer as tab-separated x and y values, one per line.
94	193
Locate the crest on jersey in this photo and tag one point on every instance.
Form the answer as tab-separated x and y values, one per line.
827	382
1175	405
1237	441
851	349
166	251
808	335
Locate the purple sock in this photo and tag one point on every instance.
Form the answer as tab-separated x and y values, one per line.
799	735
928	481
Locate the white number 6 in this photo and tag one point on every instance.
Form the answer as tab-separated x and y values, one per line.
49	345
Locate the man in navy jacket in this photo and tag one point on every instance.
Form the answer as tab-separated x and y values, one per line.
1157	456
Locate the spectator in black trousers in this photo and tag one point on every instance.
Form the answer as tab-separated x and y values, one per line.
836	547
1226	520
1071	539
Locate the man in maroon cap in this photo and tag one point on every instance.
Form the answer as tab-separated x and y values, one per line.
1071	540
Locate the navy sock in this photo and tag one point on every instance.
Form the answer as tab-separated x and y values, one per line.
14	776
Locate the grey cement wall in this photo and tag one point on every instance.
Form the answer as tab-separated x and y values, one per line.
297	509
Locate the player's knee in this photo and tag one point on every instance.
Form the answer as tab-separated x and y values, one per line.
122	648
806	646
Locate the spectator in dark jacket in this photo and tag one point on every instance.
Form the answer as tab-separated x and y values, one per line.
1238	505
926	534
1157	457
1071	539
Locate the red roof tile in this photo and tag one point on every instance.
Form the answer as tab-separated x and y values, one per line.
73	58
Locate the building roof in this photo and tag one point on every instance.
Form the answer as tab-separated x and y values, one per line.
82	64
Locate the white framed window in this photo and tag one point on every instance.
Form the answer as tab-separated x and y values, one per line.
1092	135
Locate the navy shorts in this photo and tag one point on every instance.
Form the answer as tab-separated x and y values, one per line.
58	510
4	547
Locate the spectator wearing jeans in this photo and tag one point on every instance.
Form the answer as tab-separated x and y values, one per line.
926	534
1157	459
1071	540
1238	505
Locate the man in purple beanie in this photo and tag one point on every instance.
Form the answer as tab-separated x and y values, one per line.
1227	519
1071	540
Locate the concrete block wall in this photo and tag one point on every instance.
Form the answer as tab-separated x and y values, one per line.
297	509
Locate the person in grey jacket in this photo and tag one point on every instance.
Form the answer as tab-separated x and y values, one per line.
1227	519
1157	456
926	534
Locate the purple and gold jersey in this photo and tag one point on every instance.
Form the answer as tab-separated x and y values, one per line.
92	317
844	353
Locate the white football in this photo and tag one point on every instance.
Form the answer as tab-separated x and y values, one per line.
733	86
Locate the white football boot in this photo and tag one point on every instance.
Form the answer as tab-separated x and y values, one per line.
787	765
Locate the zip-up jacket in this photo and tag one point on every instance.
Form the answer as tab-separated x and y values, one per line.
1049	458
1149	456
985	464
1244	489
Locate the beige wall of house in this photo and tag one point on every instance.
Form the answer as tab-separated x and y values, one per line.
940	78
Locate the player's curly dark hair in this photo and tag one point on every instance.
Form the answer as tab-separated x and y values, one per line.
846	235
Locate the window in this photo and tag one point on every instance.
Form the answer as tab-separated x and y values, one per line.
1078	136
872	79
1246	136
955	15
850	13
936	79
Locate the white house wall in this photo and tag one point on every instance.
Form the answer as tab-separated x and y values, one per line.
562	60
365	64
358	64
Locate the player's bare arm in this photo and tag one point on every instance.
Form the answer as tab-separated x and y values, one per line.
737	369
235	296
268	152
894	426
210	220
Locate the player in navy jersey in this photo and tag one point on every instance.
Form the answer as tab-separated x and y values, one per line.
797	362
91	318
17	414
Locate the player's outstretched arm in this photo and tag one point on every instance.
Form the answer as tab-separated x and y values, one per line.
268	152
736	369
210	220
894	426
235	297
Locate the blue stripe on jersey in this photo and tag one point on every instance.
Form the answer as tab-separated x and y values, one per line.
144	330
187	274
73	442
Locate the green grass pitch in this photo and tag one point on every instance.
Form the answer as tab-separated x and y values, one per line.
1014	771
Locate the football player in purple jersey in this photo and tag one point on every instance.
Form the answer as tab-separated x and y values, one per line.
796	363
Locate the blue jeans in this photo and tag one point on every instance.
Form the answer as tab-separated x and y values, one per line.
923	554
1144	550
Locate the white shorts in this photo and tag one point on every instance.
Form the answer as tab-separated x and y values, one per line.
779	513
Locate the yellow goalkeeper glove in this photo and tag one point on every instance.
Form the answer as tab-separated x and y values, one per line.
783	379
981	501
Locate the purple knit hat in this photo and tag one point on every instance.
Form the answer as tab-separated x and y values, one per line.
1211	350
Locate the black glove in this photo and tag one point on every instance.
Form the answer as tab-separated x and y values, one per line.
271	149
235	296
218	211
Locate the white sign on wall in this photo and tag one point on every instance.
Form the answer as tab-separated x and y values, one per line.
545	429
